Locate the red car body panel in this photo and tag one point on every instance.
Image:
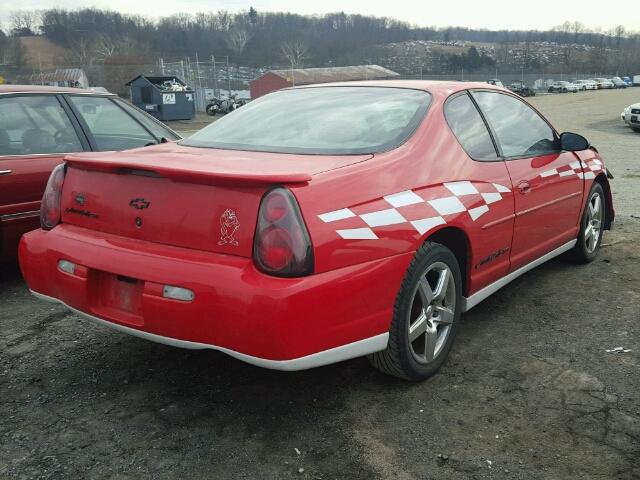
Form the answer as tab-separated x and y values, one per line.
20	195
366	216
235	307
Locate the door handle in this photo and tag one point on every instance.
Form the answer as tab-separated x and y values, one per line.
5	172
524	187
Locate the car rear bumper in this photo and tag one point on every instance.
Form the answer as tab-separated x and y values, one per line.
281	323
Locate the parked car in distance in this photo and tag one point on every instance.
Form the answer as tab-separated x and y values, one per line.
636	80
631	116
618	82
562	87
39	126
604	83
496	82
321	223
628	81
521	89
586	84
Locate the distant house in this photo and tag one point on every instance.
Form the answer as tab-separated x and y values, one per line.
277	79
62	77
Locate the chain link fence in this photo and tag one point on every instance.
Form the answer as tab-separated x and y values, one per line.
215	77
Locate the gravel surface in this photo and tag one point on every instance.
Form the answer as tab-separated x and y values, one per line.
529	391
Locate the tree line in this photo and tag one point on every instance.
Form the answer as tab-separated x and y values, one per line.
257	39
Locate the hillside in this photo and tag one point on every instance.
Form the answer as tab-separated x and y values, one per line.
40	52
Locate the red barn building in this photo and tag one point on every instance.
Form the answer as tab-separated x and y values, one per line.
277	79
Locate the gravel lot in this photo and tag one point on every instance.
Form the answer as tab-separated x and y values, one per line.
529	391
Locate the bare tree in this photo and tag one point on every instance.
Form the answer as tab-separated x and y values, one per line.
23	22
237	40
295	52
83	52
105	48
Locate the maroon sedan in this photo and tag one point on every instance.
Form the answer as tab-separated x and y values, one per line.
38	126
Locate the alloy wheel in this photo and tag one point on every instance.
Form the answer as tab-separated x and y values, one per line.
432	312
594	222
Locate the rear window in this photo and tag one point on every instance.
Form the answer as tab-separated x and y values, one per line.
320	120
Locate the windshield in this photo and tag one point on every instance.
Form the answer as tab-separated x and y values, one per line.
320	120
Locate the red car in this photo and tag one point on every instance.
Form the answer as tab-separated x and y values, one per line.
39	126
321	223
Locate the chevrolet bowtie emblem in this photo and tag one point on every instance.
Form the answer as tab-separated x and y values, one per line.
139	203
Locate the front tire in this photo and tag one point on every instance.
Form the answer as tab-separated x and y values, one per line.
426	316
591	226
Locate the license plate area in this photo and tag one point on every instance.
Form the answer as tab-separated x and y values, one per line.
119	297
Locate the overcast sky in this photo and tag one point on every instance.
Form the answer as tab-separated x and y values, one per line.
492	14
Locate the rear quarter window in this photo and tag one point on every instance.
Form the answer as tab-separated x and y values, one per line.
469	128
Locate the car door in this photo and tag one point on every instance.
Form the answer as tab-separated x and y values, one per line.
36	132
486	174
547	182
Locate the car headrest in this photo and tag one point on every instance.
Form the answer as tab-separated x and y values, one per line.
38	141
4	138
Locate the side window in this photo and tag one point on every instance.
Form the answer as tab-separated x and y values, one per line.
35	124
111	127
520	131
469	128
151	123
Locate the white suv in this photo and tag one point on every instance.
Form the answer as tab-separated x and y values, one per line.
586	84
563	87
631	116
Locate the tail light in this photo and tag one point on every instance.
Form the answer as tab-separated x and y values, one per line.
50	207
282	246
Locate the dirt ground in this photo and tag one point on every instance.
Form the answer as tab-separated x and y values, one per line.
529	390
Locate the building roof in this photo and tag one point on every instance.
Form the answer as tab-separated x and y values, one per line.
307	76
60	75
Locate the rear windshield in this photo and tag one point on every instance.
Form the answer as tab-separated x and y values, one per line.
319	120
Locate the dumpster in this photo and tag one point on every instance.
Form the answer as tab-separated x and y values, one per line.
166	98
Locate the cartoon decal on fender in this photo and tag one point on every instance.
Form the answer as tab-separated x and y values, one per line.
229	225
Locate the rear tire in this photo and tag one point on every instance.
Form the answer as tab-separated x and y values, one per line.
426	316
591	226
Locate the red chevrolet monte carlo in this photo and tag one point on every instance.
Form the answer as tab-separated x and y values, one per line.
321	223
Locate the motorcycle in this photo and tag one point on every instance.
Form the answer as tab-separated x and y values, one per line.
224	105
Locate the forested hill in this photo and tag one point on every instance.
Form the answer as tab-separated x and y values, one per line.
257	39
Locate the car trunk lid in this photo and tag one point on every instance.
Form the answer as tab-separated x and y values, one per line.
195	198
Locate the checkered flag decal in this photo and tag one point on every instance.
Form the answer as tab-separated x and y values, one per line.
409	207
574	168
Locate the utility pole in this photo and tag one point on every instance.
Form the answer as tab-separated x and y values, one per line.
161	66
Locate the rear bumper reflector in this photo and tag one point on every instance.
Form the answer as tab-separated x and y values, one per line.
178	293
67	266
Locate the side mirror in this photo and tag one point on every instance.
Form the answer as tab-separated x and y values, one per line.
572	142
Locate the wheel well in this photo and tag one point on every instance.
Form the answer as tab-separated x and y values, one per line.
604	183
458	242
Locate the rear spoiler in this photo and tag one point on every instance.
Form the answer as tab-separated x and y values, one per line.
202	174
